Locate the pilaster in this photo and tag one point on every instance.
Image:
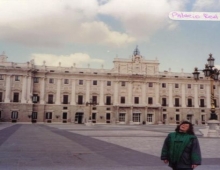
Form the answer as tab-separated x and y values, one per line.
58	91
183	95
101	98
24	87
73	92
8	89
42	90
170	95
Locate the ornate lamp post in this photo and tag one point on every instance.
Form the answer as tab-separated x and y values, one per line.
91	103
211	73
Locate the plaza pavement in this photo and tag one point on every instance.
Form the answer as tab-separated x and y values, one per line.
98	147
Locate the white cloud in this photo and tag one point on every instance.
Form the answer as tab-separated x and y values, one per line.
142	18
55	23
80	59
217	66
206	5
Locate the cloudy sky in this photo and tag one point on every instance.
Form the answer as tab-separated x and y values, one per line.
96	31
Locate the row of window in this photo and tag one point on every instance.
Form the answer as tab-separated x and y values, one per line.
189	102
48	115
136	117
122	116
17	78
123	83
108	100
95	82
15	97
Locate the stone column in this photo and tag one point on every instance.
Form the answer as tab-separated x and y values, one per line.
170	95
42	90
183	95
73	92
157	93
130	101
145	114
8	89
87	91
196	103
58	91
29	89
101	99
116	93
143	93
24	89
208	100
131	116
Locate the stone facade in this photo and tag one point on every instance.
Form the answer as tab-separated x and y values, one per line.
133	92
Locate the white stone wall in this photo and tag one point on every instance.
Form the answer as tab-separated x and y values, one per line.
142	80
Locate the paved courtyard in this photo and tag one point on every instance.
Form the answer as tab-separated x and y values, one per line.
98	147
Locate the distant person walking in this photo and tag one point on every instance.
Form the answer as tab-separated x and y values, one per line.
181	148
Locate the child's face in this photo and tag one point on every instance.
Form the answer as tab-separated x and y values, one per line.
184	127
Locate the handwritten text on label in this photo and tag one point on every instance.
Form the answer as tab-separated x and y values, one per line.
201	16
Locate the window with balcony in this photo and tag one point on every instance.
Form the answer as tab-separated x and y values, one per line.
17	78
16	97
215	102
65	99
66	81
189	103
36	79
108	100
94	99
163	85
201	86
94	82
80	99
35	98
48	115
136	117
177	102
34	115
164	102
150	100
176	85
80	82
64	115
50	99
136	100
51	81
123	83
1	77
150	118
121	117
94	115
177	118
202	102
150	84
189	86
14	115
1	97
122	100
108	83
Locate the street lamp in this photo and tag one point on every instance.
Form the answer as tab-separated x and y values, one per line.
91	103
211	73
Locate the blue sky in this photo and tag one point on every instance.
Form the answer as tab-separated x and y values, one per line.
96	31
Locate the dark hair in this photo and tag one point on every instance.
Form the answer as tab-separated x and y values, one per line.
189	131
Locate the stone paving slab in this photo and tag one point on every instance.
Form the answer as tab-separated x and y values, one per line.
148	143
73	147
119	133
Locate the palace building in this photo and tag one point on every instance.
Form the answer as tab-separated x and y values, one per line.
134	91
